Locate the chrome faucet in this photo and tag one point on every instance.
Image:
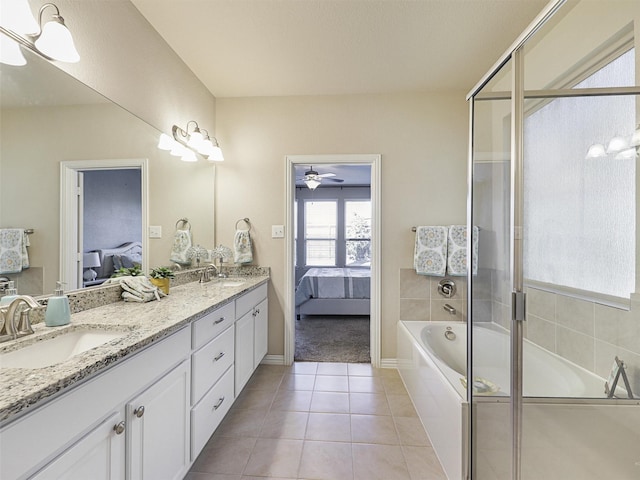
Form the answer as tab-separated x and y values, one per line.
11	329
205	274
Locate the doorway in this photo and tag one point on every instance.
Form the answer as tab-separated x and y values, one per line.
336	252
72	225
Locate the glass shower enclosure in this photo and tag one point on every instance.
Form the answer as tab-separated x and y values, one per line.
554	336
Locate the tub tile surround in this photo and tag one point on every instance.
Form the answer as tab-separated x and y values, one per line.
420	300
586	333
144	322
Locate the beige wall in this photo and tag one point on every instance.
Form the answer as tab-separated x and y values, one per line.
422	140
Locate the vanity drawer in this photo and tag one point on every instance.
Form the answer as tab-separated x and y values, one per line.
210	362
212	324
250	299
207	415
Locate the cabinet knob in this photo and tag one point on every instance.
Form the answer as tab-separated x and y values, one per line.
218	357
217	405
257	311
220	320
119	428
138	412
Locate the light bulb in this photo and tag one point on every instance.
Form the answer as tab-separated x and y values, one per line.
56	41
617	144
17	16
216	155
627	154
10	53
205	148
635	138
312	183
596	151
177	149
195	139
165	142
189	156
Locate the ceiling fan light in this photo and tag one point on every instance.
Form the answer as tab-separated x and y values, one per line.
312	183
56	41
10	53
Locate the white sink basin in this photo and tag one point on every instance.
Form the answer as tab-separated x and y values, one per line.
57	349
232	283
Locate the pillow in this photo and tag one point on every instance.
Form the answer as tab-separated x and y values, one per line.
127	261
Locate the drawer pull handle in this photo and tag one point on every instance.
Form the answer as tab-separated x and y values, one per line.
119	428
217	405
220	320
257	311
139	412
218	357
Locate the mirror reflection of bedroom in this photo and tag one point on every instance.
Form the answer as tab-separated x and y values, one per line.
332	211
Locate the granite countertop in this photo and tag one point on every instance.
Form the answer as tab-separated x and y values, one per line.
144	323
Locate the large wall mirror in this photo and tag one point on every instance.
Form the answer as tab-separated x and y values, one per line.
49	118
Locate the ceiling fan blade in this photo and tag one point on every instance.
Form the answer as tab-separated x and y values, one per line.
339	180
325	175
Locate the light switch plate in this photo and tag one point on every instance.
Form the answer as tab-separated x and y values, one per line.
277	231
155	231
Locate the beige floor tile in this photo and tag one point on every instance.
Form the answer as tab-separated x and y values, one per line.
423	463
224	455
362	369
330	368
242	423
254	399
388	372
305	368
264	380
326	461
298	382
401	406
281	424
275	458
211	476
378	462
411	431
366	384
245	477
332	427
393	385
331	383
292	401
373	429
330	402
369	404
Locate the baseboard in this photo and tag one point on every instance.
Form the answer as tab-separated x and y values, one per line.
388	363
273	360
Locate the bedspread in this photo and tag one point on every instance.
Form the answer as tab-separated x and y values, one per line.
334	283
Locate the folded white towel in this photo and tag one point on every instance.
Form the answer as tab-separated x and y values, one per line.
13	250
430	255
242	247
181	243
457	250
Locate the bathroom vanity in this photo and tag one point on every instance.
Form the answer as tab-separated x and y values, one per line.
142	405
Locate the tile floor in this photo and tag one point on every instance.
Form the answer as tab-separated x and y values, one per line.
320	421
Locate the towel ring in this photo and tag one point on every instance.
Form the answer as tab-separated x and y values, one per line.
184	221
245	220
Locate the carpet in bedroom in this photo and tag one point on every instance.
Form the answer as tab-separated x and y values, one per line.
332	338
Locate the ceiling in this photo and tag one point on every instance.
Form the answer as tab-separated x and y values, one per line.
352	175
244	48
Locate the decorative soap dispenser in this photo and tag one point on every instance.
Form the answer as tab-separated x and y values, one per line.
10	295
58	312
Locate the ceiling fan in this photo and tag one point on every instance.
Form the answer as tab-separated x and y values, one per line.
313	179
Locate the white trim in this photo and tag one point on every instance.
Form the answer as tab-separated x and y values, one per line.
374	160
389	363
273	360
69	211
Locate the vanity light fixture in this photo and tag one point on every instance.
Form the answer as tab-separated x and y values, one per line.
186	144
624	147
52	41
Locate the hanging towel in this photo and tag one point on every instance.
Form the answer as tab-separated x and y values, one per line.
13	250
242	247
430	255
457	251
181	243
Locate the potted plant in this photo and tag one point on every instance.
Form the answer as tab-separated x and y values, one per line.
134	271
161	278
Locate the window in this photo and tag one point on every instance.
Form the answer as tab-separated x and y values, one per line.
320	232
579	215
357	221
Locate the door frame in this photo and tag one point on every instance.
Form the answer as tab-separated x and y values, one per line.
70	230
374	161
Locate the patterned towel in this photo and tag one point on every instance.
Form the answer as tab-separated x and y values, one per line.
457	251
13	250
181	243
242	247
430	255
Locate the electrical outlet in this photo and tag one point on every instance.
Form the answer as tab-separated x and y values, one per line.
155	231
277	231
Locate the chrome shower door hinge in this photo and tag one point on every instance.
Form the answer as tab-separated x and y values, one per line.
518	306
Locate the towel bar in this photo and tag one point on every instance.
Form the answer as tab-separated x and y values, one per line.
245	220
184	221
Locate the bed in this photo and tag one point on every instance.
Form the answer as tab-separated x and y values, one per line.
334	291
112	259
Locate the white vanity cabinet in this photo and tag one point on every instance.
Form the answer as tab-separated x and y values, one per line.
251	333
87	428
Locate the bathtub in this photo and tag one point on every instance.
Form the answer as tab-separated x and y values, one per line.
433	368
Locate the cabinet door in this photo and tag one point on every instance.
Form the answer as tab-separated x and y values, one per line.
99	455
261	336
244	350
158	427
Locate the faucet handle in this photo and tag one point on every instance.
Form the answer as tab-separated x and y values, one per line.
4	328
24	324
